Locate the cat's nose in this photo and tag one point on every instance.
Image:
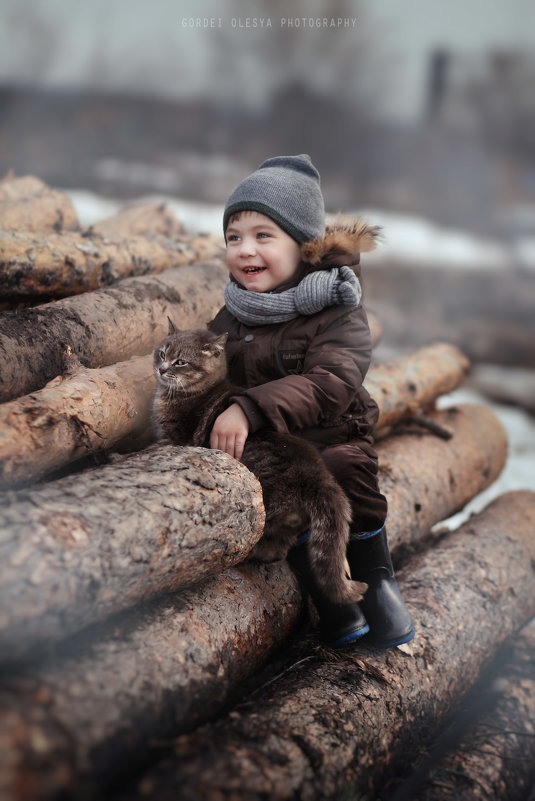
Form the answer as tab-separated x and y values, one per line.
162	370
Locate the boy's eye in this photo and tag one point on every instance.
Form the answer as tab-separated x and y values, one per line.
232	238
263	234
179	363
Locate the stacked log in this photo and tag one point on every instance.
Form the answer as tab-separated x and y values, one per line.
104	326
59	265
77	728
148	529
126	619
27	203
341	723
488	749
139	219
103	703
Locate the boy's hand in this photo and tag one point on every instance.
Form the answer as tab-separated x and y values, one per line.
230	431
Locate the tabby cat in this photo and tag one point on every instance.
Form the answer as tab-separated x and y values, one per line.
299	492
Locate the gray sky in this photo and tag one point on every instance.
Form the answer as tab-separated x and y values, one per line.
142	46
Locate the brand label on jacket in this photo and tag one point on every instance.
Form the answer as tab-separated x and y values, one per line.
292	361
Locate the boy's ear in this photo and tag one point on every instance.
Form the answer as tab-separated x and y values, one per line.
171	327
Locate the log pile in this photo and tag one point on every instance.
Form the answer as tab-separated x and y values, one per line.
28	204
489	750
141	656
339	726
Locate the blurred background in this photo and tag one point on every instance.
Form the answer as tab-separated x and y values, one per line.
423	107
420	115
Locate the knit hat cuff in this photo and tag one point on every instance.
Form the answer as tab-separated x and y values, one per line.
262	208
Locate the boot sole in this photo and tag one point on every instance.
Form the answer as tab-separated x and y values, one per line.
354	635
392	643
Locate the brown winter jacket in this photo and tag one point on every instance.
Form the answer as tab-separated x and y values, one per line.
305	376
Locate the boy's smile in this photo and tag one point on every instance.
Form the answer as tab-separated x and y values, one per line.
260	255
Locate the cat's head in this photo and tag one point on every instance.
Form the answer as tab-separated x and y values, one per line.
191	361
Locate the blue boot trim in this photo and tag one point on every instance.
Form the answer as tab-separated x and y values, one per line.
366	535
302	538
355	635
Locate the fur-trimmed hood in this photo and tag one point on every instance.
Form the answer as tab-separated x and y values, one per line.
343	242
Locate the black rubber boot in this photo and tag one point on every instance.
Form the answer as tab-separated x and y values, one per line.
388	617
339	623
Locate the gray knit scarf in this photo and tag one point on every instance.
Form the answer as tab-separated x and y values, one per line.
338	286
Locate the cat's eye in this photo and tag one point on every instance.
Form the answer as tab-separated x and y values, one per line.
161	355
179	363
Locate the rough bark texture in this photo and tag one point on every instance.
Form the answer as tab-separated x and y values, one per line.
337	724
167	667
78	549
496	758
59	265
28	203
117	661
104	326
427	479
415	381
94	410
140	219
73	416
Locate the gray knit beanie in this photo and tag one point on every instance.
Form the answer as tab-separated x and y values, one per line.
286	189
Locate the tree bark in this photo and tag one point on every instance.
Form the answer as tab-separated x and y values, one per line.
340	723
90	544
30	204
496	755
415	381
84	413
59	265
426	479
154	674
139	219
93	410
170	665
104	326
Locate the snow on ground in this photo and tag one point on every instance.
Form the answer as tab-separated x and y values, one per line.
406	238
421	243
196	217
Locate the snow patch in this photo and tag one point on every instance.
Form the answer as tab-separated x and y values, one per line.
421	243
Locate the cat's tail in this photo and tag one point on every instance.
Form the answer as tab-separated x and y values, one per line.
330	517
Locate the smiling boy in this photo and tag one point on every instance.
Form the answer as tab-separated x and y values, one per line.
299	344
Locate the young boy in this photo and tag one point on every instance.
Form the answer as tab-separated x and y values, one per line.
299	344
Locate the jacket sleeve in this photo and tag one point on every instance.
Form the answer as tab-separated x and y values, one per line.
335	365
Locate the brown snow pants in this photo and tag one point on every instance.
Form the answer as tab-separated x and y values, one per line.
355	466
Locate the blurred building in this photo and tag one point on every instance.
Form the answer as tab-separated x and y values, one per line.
420	106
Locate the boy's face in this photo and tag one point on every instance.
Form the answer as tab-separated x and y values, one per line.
260	255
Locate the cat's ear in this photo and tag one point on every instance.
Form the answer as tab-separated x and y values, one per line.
221	341
216	346
171	327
